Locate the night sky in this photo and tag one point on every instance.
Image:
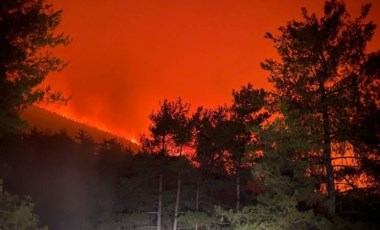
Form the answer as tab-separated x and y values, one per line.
127	55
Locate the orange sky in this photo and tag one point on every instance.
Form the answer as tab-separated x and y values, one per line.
127	55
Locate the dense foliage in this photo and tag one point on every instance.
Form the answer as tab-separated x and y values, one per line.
26	38
17	213
326	82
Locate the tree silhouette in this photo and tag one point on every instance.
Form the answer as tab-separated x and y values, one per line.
210	139
246	111
322	77
26	38
170	129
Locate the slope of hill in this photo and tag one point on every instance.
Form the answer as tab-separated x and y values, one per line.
45	120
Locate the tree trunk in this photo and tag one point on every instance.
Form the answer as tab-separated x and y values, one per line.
159	211
197	200
163	147
197	204
180	151
328	165
176	210
237	191
327	151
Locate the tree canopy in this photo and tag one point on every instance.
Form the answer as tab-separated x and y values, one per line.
324	79
27	34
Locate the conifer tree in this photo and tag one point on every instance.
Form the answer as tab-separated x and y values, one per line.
322	78
27	34
170	132
246	111
210	139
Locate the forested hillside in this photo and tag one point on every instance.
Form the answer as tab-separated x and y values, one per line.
44	120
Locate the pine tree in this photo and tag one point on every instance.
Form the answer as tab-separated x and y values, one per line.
26	38
288	193
322	78
246	111
210	139
170	129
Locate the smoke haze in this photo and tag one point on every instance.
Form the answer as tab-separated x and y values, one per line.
128	55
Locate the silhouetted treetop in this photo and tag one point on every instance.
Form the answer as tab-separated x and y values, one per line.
27	34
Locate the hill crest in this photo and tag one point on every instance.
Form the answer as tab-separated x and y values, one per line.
43	119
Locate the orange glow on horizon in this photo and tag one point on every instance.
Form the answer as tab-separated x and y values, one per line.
133	140
127	55
98	125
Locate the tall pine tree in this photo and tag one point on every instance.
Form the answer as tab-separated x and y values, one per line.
27	34
322	77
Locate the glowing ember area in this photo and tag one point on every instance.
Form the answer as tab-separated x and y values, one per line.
126	56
